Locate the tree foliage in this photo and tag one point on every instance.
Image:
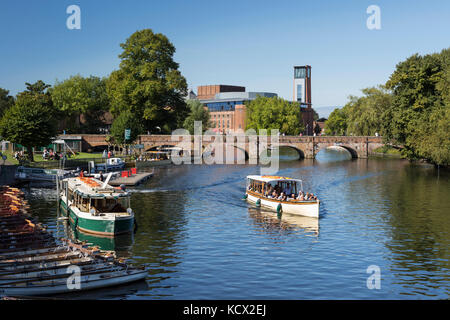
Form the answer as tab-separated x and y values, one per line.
31	120
197	113
126	120
361	116
148	82
6	101
336	125
274	113
418	116
78	95
411	110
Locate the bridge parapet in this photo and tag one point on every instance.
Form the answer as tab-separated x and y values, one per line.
307	146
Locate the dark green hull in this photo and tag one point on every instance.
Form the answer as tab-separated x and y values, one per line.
96	226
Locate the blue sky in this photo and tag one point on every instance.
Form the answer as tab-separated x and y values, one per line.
250	43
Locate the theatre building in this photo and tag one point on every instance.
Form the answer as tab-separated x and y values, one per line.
226	105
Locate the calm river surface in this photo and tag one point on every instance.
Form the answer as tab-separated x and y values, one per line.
200	240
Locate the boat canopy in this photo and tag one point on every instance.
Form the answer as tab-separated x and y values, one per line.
268	179
93	188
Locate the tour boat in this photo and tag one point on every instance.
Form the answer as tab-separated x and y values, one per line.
255	194
95	207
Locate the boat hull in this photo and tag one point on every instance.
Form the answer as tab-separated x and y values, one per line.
304	208
109	168
97	225
97	283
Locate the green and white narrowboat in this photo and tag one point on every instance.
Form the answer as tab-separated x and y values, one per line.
95	207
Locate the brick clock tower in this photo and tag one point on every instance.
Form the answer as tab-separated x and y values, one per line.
302	94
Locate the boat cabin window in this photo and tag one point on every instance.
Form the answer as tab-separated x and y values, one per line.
107	205
284	190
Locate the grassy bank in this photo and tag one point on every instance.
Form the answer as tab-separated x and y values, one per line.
388	151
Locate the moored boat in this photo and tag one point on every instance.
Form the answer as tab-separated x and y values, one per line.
257	192
95	207
154	158
110	165
42	175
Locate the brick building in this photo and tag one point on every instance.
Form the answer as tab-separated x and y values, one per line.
226	105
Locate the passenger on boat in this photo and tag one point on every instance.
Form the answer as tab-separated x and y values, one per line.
269	191
282	197
101	178
301	197
274	194
288	190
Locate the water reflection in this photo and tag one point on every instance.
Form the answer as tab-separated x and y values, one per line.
122	244
333	154
200	240
285	223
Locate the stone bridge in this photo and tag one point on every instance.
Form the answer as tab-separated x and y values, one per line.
306	146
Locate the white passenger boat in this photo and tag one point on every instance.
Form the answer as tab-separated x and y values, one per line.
257	185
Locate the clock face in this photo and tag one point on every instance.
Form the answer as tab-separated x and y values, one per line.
4	157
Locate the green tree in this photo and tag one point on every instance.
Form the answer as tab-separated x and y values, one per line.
6	101
78	96
364	114
148	82
198	113
274	113
361	116
30	121
37	87
416	118
336	125
126	120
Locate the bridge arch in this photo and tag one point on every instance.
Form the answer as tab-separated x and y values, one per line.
301	154
353	153
210	150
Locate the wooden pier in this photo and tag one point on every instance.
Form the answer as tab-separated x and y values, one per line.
132	180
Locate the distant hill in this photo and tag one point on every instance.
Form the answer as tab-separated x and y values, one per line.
324	112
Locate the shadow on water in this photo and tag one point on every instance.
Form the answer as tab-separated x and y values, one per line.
269	221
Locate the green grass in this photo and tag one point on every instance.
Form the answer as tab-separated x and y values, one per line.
38	157
388	150
80	155
10	159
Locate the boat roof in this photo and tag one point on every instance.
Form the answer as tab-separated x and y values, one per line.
88	187
272	178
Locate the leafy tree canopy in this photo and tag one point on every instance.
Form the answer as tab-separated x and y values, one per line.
198	113
6	101
78	95
31	120
420	103
126	120
361	116
274	113
148	82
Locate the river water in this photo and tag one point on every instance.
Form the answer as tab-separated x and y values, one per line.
201	240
